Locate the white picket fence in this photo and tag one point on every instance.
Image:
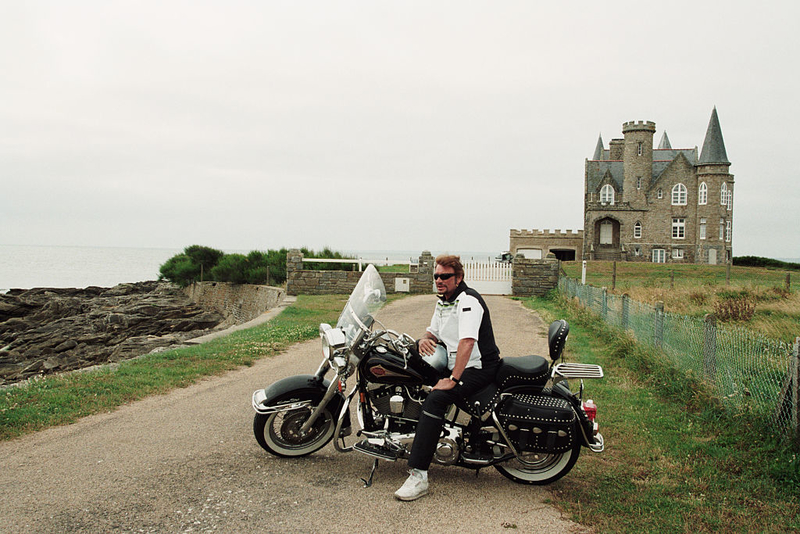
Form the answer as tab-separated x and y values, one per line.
488	278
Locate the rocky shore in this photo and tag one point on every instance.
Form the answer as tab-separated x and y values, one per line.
49	330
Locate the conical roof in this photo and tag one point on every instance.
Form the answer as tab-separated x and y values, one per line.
713	145
665	144
598	150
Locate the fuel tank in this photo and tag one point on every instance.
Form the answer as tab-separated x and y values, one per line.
382	365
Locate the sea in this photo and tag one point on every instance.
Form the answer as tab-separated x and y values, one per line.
30	266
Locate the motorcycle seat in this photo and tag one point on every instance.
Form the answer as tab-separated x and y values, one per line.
522	371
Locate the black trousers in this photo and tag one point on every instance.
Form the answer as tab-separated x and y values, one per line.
431	421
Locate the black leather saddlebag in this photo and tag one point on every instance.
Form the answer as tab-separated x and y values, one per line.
538	423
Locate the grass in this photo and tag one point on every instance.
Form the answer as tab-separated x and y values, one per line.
63	399
673	461
696	290
396	268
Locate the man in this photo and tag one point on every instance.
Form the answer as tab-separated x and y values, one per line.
462	324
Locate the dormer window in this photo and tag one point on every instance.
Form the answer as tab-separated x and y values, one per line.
607	195
679	195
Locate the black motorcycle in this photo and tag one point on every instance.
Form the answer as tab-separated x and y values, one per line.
528	425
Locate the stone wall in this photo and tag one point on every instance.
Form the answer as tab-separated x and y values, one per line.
300	281
534	278
238	303
557	241
530	278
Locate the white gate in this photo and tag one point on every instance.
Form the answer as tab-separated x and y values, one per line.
488	278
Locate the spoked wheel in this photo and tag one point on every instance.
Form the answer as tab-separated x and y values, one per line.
540	468
279	433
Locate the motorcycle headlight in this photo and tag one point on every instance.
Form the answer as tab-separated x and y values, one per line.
333	339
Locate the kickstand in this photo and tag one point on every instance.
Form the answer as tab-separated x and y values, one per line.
368	483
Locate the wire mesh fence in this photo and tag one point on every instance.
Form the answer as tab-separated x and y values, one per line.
748	372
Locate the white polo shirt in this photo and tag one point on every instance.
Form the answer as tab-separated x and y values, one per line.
457	320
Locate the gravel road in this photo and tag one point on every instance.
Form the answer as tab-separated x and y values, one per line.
188	462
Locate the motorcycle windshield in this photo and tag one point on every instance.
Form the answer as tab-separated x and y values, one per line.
366	299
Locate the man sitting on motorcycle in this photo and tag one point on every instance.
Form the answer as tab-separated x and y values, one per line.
462	324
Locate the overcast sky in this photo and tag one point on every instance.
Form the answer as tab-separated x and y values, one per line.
375	125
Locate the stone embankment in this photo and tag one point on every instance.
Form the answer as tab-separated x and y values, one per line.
47	330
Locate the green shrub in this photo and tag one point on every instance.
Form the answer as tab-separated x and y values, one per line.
180	269
198	263
193	265
231	268
758	261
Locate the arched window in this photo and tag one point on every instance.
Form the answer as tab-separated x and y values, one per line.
660	193
607	194
702	195
637	230
679	195
723	194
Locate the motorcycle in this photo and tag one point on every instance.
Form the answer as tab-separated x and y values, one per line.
528	424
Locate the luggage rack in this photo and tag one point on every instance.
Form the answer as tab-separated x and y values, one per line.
564	371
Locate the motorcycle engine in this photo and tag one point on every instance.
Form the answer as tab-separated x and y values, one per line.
396	404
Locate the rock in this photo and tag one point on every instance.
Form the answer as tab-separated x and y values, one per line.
67	345
49	330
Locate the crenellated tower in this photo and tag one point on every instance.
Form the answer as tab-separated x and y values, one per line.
638	162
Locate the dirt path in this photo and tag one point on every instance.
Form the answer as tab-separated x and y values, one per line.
188	462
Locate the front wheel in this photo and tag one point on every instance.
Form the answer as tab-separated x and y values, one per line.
279	433
539	468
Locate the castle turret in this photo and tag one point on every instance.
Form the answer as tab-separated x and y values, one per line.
598	150
637	161
713	145
716	202
665	144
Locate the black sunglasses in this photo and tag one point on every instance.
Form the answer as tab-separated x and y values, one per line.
444	276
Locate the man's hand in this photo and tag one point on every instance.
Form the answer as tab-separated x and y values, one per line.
427	346
444	384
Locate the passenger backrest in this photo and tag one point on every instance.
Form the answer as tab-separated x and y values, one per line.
557	338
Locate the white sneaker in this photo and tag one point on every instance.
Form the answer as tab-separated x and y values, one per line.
415	487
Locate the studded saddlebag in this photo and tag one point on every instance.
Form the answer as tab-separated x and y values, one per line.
538	423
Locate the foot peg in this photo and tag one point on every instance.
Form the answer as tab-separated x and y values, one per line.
376	451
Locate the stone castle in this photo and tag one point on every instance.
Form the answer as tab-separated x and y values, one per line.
658	204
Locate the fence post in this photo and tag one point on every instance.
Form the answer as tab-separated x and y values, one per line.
614	276
626	305
710	346
795	388
728	273
658	331
605	303
788	282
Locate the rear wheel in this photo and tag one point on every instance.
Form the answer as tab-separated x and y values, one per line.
279	433
540	468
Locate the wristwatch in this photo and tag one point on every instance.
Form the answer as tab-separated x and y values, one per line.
456	380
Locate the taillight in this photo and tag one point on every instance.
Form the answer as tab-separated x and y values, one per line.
590	408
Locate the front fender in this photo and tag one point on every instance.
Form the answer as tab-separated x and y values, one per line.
292	391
